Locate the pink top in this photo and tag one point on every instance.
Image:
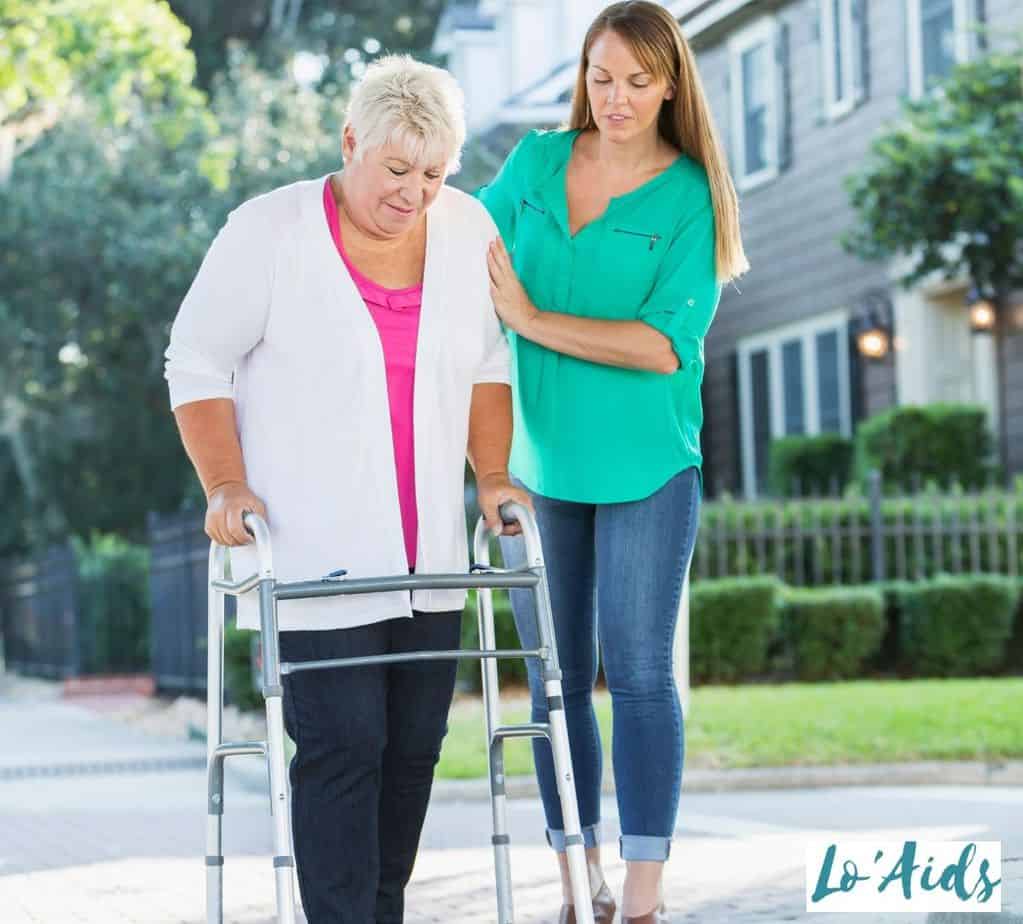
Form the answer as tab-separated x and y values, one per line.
396	314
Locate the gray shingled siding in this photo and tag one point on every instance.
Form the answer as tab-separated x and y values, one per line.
792	224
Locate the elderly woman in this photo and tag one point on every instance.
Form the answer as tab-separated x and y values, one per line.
335	356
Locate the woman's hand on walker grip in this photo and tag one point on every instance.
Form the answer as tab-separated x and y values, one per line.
493	491
225	507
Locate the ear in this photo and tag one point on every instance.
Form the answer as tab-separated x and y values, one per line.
347	144
669	93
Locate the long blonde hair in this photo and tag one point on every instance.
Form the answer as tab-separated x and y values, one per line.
685	121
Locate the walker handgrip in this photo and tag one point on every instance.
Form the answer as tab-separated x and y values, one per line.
506	513
258	529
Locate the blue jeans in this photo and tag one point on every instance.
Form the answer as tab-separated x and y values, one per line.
367	740
615	573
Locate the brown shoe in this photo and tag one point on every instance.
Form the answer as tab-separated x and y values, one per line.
657	916
604	908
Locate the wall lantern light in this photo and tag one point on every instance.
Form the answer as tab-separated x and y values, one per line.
982	312
872	325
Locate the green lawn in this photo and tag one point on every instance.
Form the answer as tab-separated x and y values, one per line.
806	724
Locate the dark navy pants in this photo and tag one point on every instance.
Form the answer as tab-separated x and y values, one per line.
368	739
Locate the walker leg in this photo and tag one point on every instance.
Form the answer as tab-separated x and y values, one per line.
575	850
214	738
214	844
280	809
280	803
498	798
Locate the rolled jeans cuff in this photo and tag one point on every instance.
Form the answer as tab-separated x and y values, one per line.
641	847
591	837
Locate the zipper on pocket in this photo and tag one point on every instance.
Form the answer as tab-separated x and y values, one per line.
653	238
526	203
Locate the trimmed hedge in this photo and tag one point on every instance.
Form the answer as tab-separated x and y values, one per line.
240	683
940	441
832	631
114	606
957	625
802	465
947	626
511	670
731	626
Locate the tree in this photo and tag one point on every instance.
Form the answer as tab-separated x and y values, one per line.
944	187
347	34
101	233
111	51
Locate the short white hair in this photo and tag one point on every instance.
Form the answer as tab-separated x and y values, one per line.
415	105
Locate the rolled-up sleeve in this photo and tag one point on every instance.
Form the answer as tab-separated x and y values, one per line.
224	314
685	296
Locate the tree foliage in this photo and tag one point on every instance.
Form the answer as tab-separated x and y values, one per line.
114	52
347	34
101	232
945	185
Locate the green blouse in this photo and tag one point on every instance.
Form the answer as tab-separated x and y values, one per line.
584	431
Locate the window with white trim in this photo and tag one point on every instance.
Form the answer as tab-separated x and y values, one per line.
753	75
940	36
843	34
792	381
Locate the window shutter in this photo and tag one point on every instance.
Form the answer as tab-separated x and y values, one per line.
861	47
736	434
818	54
980	23
782	59
907	45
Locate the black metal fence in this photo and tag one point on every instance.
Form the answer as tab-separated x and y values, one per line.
48	612
866	537
39	606
179	560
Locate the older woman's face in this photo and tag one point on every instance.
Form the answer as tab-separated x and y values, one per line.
625	99
386	192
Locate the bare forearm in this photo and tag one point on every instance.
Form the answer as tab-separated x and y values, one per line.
209	433
490	429
627	344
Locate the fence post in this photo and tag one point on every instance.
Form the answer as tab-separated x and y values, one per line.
876	526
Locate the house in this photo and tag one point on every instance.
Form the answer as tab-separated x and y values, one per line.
799	89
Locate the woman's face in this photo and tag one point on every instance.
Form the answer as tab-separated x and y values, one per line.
385	193
624	98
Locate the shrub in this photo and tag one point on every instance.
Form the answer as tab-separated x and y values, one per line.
114	608
801	465
240	684
512	670
1014	647
831	631
941	442
731	625
957	625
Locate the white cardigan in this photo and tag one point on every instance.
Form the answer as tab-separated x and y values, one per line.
274	321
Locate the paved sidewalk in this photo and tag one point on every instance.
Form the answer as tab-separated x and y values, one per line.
117	836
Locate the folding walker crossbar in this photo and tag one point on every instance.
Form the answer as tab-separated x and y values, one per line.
481	577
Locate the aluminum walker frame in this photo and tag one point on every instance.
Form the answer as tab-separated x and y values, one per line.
481	577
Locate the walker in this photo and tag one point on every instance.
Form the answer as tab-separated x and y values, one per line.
483	578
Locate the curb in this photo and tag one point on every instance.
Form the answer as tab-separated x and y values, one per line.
930	773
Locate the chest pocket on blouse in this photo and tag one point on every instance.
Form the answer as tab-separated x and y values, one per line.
533	237
630	259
